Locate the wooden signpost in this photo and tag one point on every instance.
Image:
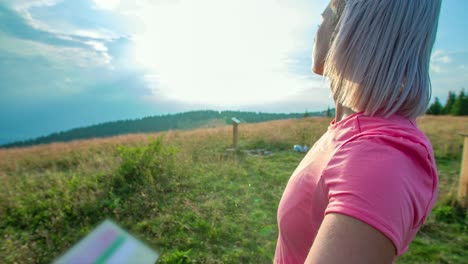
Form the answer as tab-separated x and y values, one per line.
463	184
235	132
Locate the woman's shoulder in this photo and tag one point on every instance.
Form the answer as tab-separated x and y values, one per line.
393	129
391	146
383	133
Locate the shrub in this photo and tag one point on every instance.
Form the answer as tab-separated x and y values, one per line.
150	165
450	214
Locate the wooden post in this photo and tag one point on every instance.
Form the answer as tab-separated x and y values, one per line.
235	133
463	184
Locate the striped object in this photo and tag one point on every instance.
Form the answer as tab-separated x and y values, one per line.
109	244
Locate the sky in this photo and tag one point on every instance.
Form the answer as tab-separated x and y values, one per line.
67	63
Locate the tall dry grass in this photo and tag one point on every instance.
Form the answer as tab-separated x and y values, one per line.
443	132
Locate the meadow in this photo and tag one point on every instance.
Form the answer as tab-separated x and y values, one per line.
183	195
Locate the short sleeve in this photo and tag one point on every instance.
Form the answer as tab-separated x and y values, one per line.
388	183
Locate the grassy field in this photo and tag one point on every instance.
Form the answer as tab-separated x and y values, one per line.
187	198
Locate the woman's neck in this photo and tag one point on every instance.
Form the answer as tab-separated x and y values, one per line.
341	112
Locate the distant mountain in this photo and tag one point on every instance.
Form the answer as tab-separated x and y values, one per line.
187	120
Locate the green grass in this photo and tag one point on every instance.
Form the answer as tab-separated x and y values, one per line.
186	198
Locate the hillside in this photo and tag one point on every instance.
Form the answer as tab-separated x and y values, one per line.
188	120
189	199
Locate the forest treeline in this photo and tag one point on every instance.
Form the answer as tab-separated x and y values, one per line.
456	105
187	120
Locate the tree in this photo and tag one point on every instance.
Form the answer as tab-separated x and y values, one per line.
449	104
436	108
460	107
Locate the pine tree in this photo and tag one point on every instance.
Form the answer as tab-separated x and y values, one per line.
449	104
460	107
436	108
464	106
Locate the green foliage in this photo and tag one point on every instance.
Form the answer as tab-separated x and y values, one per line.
460	106
152	165
329	112
451	212
446	214
443	238
436	108
179	257
455	105
451	98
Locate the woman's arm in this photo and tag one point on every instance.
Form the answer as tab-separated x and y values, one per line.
343	239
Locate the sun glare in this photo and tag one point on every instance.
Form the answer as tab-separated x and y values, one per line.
218	52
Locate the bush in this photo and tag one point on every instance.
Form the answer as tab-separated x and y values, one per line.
450	214
151	165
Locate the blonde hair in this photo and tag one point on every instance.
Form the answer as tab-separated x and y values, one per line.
378	62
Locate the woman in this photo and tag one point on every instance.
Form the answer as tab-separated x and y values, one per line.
366	187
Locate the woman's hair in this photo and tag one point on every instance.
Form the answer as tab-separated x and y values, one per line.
378	62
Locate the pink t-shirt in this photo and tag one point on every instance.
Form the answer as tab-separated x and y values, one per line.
378	170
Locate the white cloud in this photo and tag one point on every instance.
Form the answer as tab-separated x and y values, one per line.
101	34
439	61
69	56
62	71
23	8
96	45
72	56
79	56
25	4
223	52
448	72
106	4
101	48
